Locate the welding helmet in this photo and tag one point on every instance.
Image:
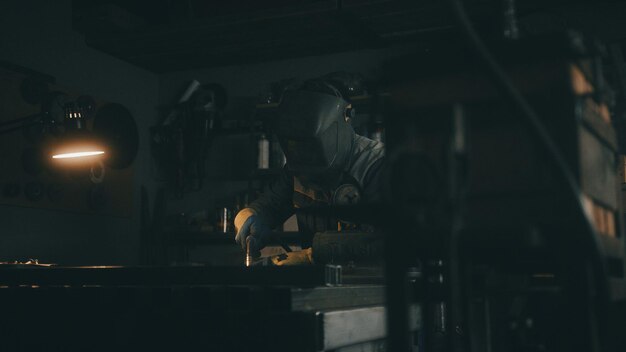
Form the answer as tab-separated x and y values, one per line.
314	133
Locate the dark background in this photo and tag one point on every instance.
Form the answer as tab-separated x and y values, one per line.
142	53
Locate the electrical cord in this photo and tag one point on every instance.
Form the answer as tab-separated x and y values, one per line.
531	118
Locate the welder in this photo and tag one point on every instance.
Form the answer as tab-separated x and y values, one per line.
327	164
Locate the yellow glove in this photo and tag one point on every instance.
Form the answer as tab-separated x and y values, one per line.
303	257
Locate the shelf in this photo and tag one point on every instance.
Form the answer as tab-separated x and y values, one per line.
200	238
257	173
267	106
197	237
231	127
236	131
355	98
252	175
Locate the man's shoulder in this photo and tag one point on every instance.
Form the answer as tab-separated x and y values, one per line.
365	154
366	145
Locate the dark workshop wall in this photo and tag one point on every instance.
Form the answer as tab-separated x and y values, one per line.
244	83
248	81
38	35
251	79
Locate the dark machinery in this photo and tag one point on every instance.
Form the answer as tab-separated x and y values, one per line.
514	203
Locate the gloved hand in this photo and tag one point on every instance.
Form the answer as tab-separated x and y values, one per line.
255	227
303	257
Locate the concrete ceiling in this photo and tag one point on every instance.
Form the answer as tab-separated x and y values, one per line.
169	35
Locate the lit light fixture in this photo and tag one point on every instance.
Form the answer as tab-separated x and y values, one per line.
77	143
77	154
63	137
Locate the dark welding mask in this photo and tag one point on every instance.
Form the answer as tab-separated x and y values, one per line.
314	135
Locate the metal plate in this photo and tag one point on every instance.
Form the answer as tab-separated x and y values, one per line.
348	327
326	298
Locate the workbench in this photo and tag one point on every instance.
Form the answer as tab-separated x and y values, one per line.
170	308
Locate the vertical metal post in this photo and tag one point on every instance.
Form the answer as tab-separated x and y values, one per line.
398	337
457	176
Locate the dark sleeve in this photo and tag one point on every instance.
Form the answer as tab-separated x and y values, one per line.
275	205
372	183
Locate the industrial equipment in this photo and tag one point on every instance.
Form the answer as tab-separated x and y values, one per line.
509	187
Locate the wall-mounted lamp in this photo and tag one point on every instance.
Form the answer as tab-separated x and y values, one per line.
113	138
80	154
77	142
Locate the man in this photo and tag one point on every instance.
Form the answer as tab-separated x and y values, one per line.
327	164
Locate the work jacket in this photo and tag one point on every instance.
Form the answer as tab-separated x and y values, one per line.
287	194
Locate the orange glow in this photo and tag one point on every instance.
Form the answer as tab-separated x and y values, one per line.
77	150
77	154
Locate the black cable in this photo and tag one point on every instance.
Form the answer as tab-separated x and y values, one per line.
528	114
25	119
5	130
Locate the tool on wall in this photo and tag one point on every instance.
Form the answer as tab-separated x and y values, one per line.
180	142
